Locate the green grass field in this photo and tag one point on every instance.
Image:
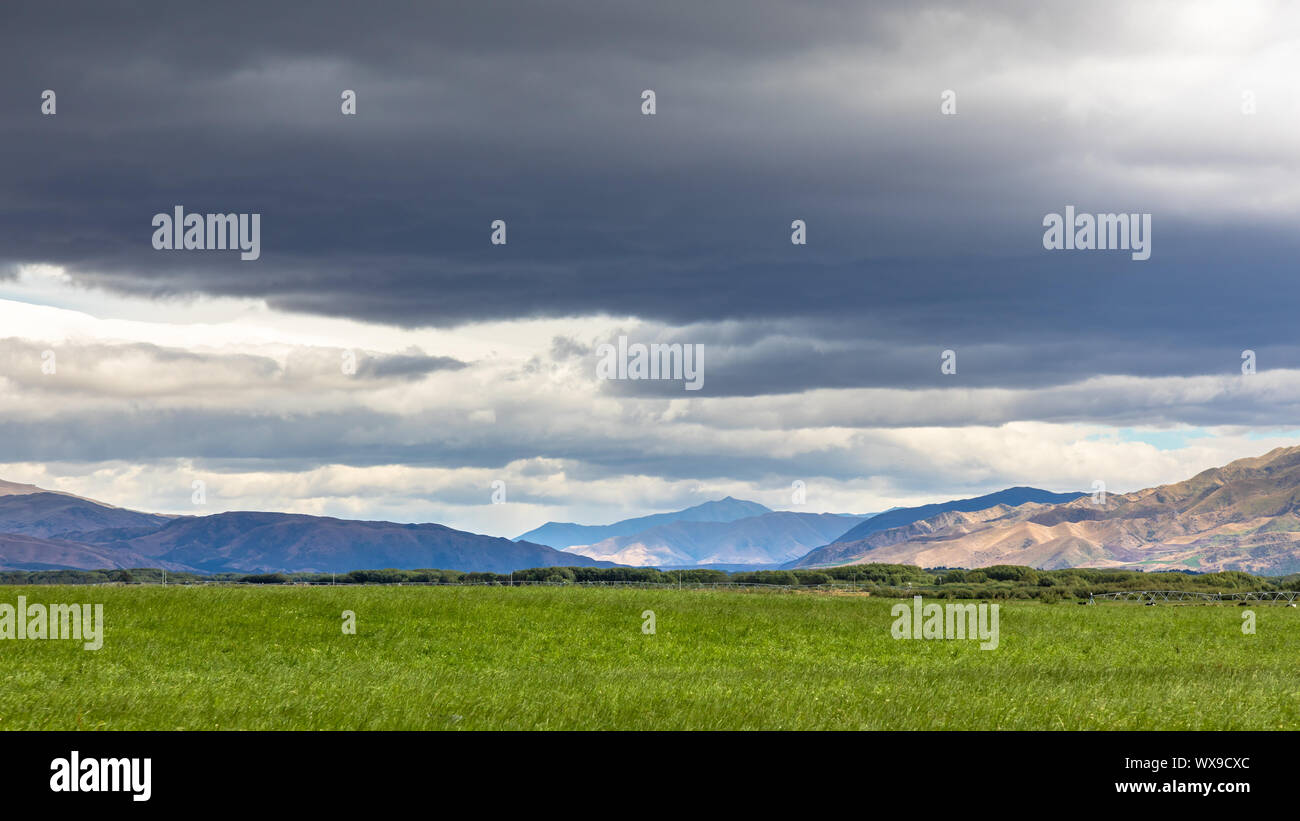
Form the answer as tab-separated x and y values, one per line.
576	658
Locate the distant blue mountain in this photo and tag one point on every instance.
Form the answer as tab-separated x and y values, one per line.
771	538
566	534
899	516
39	529
261	542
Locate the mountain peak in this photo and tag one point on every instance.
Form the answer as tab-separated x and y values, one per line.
564	535
1243	516
898	517
732	501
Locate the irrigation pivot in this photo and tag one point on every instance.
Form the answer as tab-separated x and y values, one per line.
1159	596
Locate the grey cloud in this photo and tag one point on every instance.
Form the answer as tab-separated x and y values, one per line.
138	369
924	231
745	440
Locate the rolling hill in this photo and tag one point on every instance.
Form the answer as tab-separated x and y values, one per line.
18	552
899	516
268	542
41	530
1243	516
57	515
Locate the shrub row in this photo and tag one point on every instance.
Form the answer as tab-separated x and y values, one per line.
997	582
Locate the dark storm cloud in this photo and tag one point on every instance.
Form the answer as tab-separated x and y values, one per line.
924	231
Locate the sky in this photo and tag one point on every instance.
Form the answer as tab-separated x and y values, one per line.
922	145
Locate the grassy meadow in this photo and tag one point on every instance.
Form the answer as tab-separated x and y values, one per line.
492	658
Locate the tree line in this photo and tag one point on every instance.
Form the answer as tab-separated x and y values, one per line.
892	580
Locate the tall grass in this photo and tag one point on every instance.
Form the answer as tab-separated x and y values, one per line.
570	658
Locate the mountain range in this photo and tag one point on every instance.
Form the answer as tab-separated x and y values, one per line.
900	516
567	534
1242	516
769	539
43	530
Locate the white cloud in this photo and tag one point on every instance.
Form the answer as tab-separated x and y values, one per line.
533	415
